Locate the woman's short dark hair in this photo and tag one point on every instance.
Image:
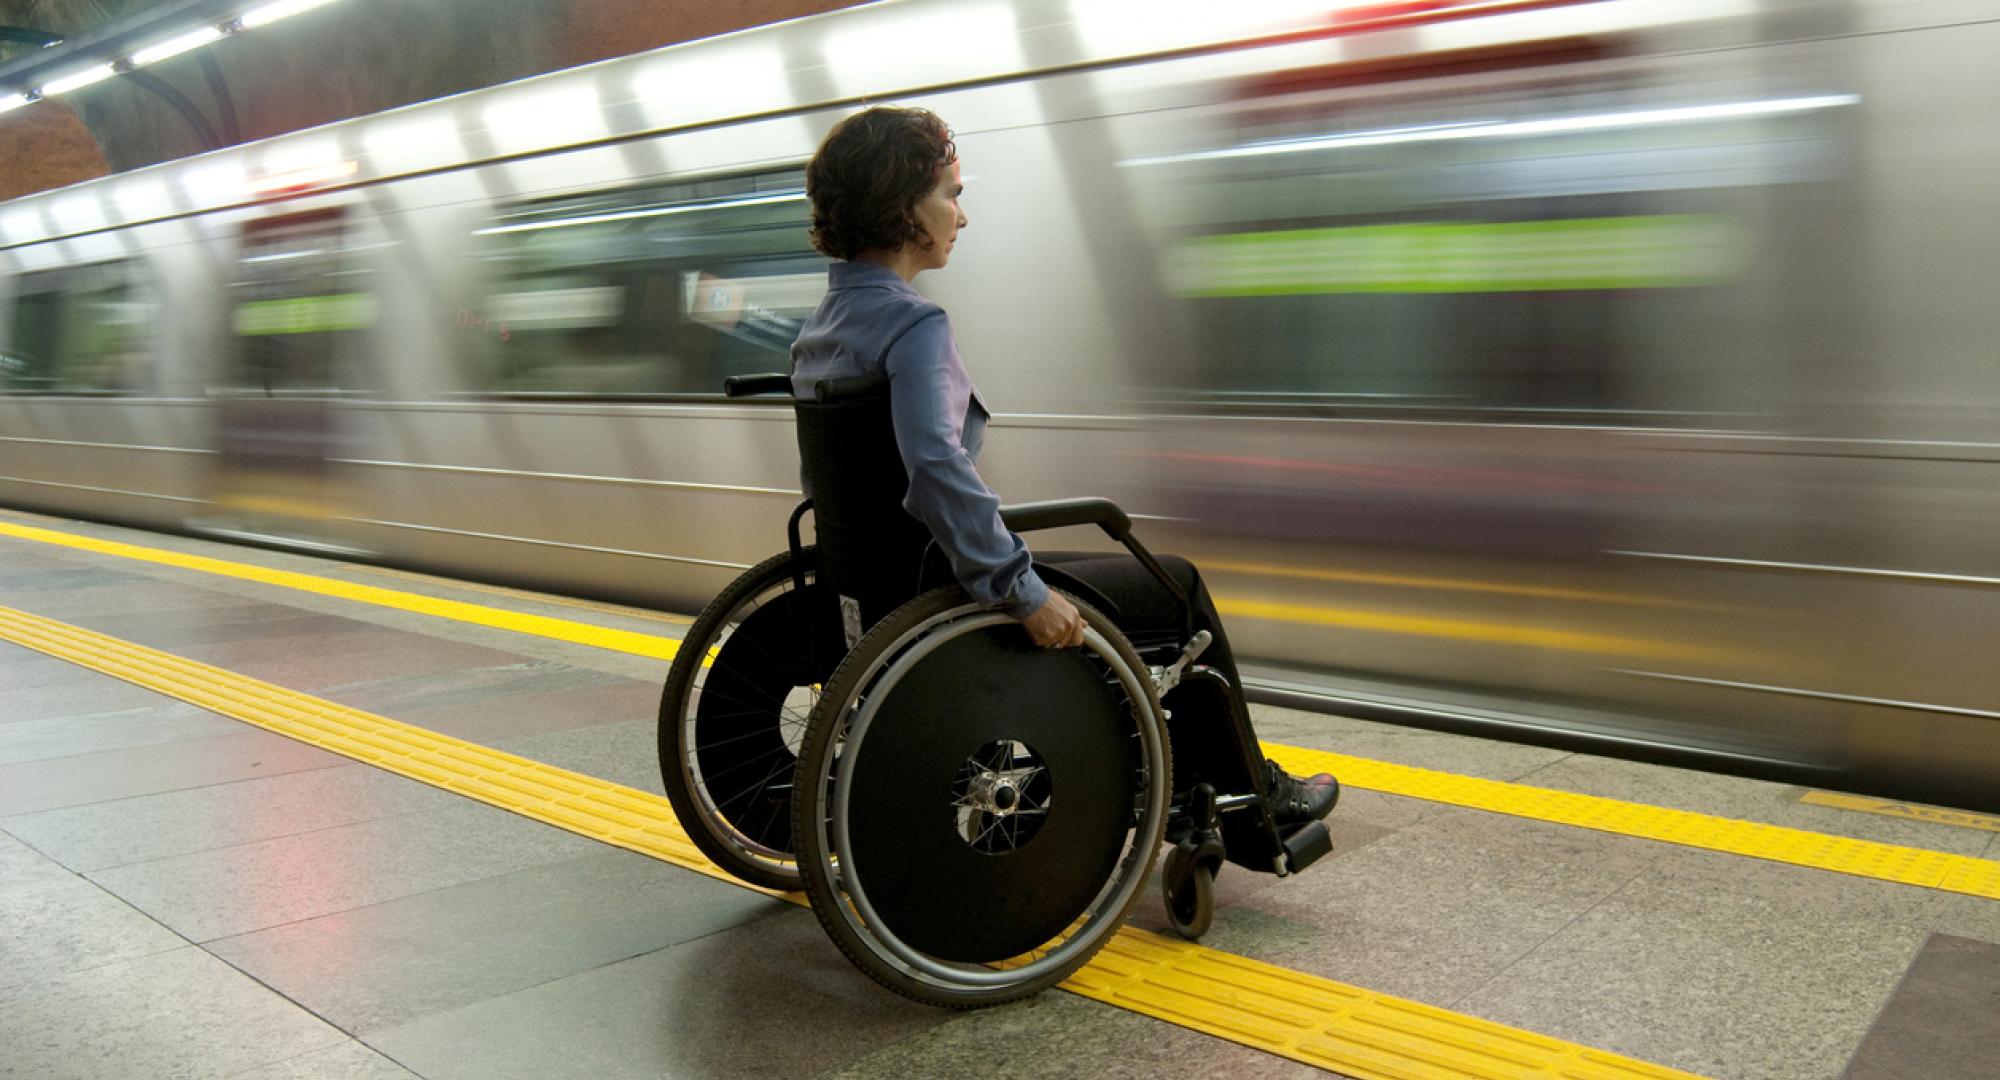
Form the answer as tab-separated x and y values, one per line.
865	180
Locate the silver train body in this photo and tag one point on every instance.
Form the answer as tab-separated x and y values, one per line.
1618	372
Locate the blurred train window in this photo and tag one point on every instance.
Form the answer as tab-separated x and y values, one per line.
1568	251
647	292
302	304
81	330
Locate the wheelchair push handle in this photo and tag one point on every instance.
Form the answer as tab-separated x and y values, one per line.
754	385
825	391
849	387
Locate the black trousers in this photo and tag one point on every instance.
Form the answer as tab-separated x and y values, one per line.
1210	723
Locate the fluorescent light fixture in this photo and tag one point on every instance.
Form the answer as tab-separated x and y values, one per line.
283	9
153	54
657	211
142	198
407	144
900	46
214	183
545	116
78	213
23	226
77	81
683	86
1483	129
12	102
1132	27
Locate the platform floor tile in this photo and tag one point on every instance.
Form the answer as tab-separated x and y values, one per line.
119	832
235	890
351	1060
1732	970
29	786
180	1013
561	699
22	867
1435	910
388	964
624	753
90	731
773	998
25	669
53	695
1059	1037
54	923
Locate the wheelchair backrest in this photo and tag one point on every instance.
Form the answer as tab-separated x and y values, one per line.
871	551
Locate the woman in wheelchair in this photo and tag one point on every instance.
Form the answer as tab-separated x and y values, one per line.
826	685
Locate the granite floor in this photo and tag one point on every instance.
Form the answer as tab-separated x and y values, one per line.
184	895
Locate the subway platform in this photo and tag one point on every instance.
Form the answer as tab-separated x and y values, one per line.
264	815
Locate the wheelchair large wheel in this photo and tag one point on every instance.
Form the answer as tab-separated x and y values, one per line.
734	712
976	815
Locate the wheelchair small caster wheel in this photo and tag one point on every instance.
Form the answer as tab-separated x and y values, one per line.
1190	893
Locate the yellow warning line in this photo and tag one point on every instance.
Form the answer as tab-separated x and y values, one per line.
1460	629
620	610
1937	815
1862	858
1777	843
1303	1017
579	633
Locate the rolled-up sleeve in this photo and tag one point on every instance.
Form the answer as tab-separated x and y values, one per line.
929	393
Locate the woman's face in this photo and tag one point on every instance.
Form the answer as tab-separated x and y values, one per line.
937	213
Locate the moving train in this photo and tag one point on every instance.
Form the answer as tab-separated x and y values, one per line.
1615	373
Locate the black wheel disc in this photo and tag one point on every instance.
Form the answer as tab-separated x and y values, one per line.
991	796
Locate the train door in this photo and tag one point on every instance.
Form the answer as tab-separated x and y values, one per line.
300	315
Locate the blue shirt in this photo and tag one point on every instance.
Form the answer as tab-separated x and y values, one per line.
872	321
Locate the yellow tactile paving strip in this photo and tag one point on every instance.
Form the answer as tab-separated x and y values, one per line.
1778	843
1863	858
579	633
1303	1017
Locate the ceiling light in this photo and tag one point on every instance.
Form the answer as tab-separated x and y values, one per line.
175	46
77	80
283	9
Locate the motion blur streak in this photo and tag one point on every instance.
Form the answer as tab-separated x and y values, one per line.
1479	350
1408	582
1459	630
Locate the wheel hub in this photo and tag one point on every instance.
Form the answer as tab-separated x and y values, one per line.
1000	795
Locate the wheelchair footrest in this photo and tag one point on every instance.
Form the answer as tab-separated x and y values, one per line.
1305	845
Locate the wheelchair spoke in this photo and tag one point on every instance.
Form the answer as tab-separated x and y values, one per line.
787	762
716	744
749	708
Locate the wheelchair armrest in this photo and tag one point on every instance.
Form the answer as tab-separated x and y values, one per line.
1105	514
1057	513
753	385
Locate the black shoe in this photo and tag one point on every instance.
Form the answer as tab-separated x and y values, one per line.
1294	801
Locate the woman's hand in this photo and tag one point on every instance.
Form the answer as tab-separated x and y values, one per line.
1056	624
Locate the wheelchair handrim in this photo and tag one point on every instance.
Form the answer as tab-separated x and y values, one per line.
715	821
1110	903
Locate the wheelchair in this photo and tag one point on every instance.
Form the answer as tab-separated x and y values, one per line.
972	817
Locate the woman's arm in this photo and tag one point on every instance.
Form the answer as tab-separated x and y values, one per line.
929	394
